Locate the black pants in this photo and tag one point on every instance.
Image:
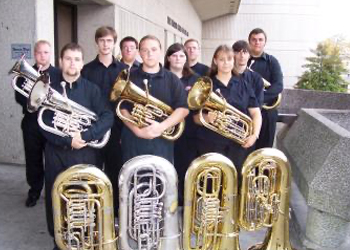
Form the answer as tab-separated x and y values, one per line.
34	144
268	129
56	161
185	151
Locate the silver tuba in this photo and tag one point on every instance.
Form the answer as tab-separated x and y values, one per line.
69	117
148	211
23	69
82	202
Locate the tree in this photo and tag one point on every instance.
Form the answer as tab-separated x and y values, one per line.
324	70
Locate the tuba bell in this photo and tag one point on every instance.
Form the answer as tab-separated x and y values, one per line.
30	75
264	202
83	209
69	117
210	219
144	106
148	214
230	122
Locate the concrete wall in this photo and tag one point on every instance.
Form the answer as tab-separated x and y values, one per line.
292	27
21	21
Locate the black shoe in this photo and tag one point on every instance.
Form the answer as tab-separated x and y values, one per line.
31	200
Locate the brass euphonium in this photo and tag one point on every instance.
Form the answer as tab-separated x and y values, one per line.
69	117
264	202
230	122
144	106
30	75
82	202
210	219
148	214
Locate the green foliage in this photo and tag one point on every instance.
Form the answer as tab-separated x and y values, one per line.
324	70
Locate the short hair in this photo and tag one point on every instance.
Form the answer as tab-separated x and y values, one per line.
257	31
149	37
73	47
191	40
128	39
186	71
214	68
240	45
105	31
40	42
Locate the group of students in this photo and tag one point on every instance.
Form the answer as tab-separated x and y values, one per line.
236	71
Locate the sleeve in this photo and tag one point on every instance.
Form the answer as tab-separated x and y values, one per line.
259	88
276	81
179	96
253	101
105	115
20	99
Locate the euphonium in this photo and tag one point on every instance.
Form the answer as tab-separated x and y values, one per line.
144	106
230	122
30	75
83	210
69	117
264	202
148	217
210	219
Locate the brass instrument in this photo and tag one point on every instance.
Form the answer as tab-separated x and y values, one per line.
144	106
30	75
83	210
264	197
267	84
211	204
148	214
69	117
230	122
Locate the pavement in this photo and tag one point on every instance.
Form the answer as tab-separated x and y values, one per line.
23	228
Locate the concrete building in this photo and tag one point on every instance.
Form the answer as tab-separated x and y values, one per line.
291	27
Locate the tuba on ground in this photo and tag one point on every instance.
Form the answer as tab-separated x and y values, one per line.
230	122
144	106
83	210
23	69
69	117
264	202
148	214
210	219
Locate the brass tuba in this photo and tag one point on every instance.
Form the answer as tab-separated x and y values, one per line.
69	117
210	219
83	209
30	75
264	202
144	106
148	214
230	122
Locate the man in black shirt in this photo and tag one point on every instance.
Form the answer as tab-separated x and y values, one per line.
269	69
34	142
193	51
164	86
103	71
64	152
129	50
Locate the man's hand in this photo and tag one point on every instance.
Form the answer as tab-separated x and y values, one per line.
250	141
155	129
77	142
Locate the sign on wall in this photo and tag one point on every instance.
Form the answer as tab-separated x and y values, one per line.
18	49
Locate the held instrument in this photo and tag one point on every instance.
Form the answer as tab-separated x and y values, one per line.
264	198
148	217
211	204
144	106
69	117
230	122
267	84
30	75
83	210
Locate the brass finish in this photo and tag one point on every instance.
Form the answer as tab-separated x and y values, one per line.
264	197
230	122
83	210
211	204
144	106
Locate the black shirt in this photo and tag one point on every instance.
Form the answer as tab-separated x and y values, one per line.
255	80
239	94
200	69
134	66
88	95
269	68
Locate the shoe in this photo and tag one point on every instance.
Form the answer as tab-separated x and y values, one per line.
31	200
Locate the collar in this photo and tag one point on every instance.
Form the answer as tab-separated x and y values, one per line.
114	62
160	73
72	85
263	56
35	66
